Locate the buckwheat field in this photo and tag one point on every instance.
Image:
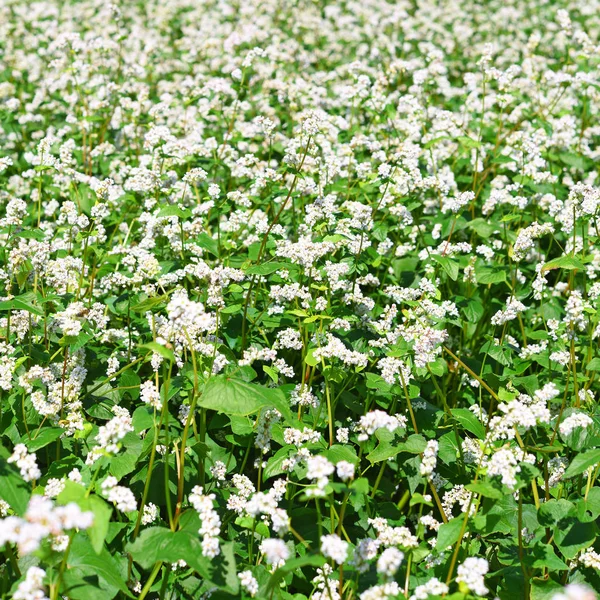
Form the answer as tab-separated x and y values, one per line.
299	300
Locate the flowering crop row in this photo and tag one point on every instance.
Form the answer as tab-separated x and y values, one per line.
299	300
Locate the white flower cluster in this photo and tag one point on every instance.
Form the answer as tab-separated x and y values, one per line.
333	547
248	583
150	395
393	536
276	551
211	522
122	497
574	421
377	419
471	573
111	434
429	459
505	463
512	310
42	520
32	587
434	587
26	462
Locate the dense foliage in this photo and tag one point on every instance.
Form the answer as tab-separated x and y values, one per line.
299	299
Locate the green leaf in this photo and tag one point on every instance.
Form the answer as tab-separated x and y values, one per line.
142	418
450	266
310	359
267	268
415	444
337	453
577	161
234	396
36	234
473	311
448	533
124	462
594	365
468	142
46	436
311	560
22	302
83	557
12	487
173	211
102	513
552	512
485	488
159	349
582	462
149	304
469	421
564	262
488	276
543	556
544	589
572	539
205	241
74	492
161	544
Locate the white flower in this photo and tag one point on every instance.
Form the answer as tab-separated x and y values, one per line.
429	459
471	573
26	462
378	419
575	591
389	562
345	470
150	395
455	204
211	522
434	587
332	546
248	582
276	552
150	513
574	420
121	496
32	587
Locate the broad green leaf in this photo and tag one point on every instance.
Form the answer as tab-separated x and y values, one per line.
544	589
102	513
234	396
563	262
469	421
83	557
468	142
159	349
573	538
161	544
552	512
448	533
267	268
124	462
46	436
23	302
582	462
543	556
13	489
310	560
488	275
485	488
593	365
473	311
173	211
450	266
